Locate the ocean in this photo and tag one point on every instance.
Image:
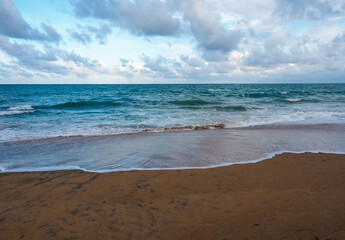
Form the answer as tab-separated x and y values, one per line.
56	126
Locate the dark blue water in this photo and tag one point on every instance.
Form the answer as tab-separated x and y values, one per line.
41	111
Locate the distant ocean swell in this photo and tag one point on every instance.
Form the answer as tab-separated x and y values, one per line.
102	105
82	105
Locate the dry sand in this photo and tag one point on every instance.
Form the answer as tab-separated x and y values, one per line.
292	196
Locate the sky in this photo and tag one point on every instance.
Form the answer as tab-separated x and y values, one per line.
172	41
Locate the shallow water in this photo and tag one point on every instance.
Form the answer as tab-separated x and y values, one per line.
169	150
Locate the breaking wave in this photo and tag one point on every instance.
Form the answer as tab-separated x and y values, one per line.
296	100
15	110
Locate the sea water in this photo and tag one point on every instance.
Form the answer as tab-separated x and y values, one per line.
112	127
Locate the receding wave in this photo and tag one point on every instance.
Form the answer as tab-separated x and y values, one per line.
84	105
190	102
180	128
133	131
201	127
262	124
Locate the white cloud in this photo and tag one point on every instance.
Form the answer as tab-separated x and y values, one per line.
175	40
13	25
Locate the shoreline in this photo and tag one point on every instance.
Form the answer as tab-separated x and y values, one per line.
76	168
290	196
191	128
169	150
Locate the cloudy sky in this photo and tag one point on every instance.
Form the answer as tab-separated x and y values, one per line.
172	41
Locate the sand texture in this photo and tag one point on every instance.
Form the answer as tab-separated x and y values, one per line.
292	196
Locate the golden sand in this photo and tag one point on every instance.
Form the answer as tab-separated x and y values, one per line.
292	196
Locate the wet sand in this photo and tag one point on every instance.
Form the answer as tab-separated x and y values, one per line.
292	196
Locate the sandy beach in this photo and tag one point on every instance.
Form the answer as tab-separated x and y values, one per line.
291	196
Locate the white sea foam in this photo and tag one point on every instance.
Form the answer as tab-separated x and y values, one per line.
62	168
20	108
282	118
43	169
293	100
14	110
267	156
215	90
8	113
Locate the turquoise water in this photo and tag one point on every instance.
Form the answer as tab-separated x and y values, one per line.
41	111
52	127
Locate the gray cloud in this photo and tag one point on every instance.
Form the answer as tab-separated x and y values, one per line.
82	37
13	25
72	57
271	54
308	9
87	34
141	17
184	68
213	39
332	54
192	61
124	62
161	66
31	58
206	28
100	33
304	52
27	56
155	17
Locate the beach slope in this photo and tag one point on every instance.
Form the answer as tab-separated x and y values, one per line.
291	196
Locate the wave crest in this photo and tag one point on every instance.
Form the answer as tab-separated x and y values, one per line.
20	108
15	110
84	105
296	100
